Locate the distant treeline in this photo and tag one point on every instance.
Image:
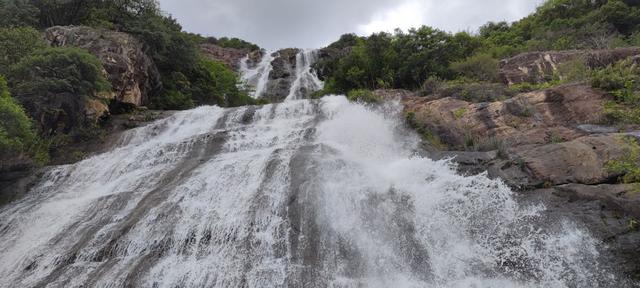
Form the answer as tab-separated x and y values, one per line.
418	57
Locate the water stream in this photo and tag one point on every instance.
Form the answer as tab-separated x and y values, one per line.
306	193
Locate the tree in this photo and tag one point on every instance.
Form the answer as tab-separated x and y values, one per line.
16	43
18	13
17	136
54	84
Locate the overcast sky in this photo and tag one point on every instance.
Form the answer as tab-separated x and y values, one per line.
316	23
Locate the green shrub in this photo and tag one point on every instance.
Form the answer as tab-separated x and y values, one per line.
627	166
16	43
528	87
233	43
215	84
459	113
209	83
54	84
481	67
59	70
622	81
17	136
573	71
363	96
467	90
18	13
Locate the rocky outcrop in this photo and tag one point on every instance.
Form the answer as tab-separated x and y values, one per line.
538	117
540	67
229	56
133	75
282	75
582	160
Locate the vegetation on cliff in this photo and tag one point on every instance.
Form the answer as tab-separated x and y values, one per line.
17	137
56	86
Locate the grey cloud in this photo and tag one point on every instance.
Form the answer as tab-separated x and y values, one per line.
307	23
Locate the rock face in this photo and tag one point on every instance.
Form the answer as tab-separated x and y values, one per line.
229	56
538	117
283	74
609	212
582	160
133	75
539	67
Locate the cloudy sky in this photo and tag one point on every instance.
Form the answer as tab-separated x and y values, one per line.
316	23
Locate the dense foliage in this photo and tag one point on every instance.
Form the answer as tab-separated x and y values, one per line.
57	86
54	83
400	60
232	43
622	81
17	137
406	60
210	83
16	43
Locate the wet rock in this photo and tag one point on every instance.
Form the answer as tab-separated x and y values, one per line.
539	67
133	75
282	75
468	162
609	212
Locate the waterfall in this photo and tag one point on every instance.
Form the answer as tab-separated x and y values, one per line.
306	81
308	193
258	76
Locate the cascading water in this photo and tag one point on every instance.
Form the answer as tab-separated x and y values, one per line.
306	80
309	193
258	76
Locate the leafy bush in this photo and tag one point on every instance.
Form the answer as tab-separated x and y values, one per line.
17	137
233	43
627	166
210	83
399	60
622	81
574	70
18	13
466	90
16	43
481	67
54	83
528	87
59	70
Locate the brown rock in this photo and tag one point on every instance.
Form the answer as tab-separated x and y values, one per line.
229	56
538	117
539	67
579	161
133	75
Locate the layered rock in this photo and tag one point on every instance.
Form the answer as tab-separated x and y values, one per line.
540	67
133	75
